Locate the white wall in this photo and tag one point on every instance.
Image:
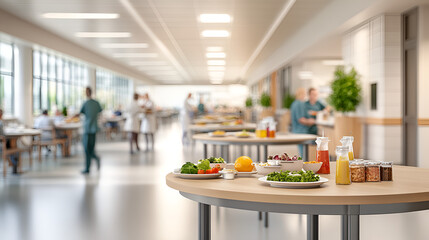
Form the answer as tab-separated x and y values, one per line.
374	49
423	85
174	95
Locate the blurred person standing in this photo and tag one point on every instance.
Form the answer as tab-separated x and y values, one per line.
187	114
148	126
132	122
91	109
13	158
312	107
44	122
300	122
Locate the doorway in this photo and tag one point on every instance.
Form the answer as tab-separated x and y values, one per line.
409	83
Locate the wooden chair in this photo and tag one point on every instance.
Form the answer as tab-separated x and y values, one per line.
52	141
8	152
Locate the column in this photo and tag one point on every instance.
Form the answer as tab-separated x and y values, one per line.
23	87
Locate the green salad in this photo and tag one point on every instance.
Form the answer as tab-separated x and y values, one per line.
189	168
288	176
214	160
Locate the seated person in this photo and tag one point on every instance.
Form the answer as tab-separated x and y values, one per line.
14	158
59	117
45	123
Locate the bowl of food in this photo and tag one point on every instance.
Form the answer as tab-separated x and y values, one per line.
216	162
266	168
287	163
312	166
217	133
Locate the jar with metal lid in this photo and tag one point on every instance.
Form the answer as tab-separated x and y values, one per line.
372	171
357	171
386	171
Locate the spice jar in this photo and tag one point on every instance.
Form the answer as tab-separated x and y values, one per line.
372	171
386	171
357	170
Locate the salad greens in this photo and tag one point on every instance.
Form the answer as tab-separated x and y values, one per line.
214	160
204	165
288	176
189	168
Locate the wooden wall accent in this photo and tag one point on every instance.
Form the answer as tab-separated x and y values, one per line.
423	121
383	121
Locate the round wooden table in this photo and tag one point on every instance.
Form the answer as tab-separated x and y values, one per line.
213	127
409	191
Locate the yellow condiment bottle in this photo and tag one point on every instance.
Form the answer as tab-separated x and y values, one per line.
351	157
347	141
343	176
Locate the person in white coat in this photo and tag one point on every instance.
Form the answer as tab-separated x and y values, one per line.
187	114
148	126
132	122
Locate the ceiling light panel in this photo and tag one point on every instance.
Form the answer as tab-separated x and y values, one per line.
215	55
156	68
148	63
215	33
214	49
161	73
81	15
216	74
124	45
215	18
216	62
103	34
135	55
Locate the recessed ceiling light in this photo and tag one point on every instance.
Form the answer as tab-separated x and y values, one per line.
148	63
215	33
216	62
155	68
214	49
135	55
215	55
216	68
103	34
215	18
215	81
81	15
305	75
161	73
124	45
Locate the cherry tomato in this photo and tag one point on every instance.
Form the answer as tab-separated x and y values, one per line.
217	166
215	170
210	171
201	171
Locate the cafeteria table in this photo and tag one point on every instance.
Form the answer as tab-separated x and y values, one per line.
407	192
68	129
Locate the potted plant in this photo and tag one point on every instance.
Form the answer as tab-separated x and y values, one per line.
265	102
345	98
248	111
285	118
249	102
288	100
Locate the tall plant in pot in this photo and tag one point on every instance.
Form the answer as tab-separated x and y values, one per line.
285	119
345	98
265	102
248	111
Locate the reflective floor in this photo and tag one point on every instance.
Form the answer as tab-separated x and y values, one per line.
128	199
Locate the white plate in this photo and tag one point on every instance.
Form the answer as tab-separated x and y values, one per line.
243	136
196	176
321	181
216	135
243	174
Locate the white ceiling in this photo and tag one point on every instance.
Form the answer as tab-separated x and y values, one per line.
172	24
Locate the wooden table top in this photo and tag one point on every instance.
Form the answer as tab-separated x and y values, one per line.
279	139
214	127
410	184
12	132
68	126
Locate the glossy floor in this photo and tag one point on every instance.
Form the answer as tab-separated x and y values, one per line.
128	199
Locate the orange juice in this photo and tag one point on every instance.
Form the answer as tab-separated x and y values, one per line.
261	133
351	157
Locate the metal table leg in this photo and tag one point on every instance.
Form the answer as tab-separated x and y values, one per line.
353	222
305	152
350	224
344	227
214	150
266	220
265	153
258	153
312	227
205	150
222	152
203	221
227	153
260	216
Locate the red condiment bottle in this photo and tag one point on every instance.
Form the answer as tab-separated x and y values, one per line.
323	155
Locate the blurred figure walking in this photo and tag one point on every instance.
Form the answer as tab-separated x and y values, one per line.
187	114
148	126
91	109
132	122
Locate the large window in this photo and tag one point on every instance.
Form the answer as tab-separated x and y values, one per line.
57	82
112	90
6	78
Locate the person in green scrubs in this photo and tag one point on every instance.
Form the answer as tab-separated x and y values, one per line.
300	122
312	107
91	109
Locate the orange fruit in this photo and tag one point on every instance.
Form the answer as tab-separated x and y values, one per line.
243	164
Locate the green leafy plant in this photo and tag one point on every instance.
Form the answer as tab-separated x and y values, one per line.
64	111
346	90
288	100
249	102
265	100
